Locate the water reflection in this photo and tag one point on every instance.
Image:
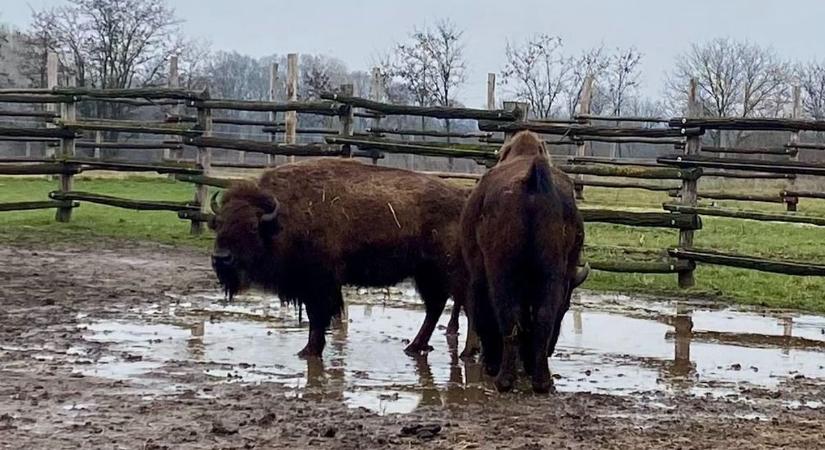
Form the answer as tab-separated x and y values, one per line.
606	346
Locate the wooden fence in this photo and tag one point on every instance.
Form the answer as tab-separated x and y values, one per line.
191	125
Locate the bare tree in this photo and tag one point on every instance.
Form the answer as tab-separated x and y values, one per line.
319	74
734	79
5	77
765	84
812	82
444	48
537	72
37	42
592	62
193	62
430	65
236	76
622	78
108	43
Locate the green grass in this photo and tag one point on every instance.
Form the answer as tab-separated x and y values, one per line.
786	241
90	220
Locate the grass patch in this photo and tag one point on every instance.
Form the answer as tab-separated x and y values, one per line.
90	220
777	240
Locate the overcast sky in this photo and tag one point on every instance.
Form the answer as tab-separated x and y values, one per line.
357	30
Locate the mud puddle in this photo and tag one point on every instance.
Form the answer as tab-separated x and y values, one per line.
609	344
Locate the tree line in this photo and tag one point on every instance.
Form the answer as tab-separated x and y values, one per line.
127	43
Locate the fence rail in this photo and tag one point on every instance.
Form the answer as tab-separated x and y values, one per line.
676	176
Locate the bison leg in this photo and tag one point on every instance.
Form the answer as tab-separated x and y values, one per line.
452	325
548	317
472	345
554	338
481	322
508	312
319	315
433	290
526	340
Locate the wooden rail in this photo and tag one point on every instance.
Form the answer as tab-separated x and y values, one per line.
742	214
320	108
788	167
585	130
129	127
36	132
430	133
750	262
642	219
653	173
744	124
440	112
142	93
138	205
764	198
27	206
266	147
752	150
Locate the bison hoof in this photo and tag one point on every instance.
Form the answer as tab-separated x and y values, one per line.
542	386
417	349
504	383
309	352
469	352
491	369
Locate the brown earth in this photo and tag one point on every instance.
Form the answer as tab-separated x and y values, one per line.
47	291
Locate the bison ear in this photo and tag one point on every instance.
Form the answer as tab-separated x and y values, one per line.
269	224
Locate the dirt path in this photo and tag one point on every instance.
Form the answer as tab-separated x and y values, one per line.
58	388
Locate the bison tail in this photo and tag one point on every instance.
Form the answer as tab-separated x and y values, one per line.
539	180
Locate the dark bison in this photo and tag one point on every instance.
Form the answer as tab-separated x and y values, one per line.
305	229
521	236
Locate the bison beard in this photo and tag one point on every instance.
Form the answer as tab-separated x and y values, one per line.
305	229
521	238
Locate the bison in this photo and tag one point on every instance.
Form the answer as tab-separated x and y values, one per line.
305	229
521	235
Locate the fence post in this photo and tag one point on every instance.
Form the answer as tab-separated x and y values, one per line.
204	161
174	82
98	140
68	113
583	146
376	94
346	120
693	146
273	116
291	117
512	106
51	83
796	112
491	91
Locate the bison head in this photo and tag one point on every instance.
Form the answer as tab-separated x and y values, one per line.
245	224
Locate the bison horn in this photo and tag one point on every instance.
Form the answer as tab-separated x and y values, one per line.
272	215
581	274
213	203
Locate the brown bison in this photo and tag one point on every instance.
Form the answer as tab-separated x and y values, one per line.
305	229
521	236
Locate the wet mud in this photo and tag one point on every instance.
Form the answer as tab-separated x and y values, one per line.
127	345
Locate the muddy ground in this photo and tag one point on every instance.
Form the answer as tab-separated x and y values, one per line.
127	345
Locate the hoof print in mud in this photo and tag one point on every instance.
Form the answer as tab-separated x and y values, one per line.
421	431
223	429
